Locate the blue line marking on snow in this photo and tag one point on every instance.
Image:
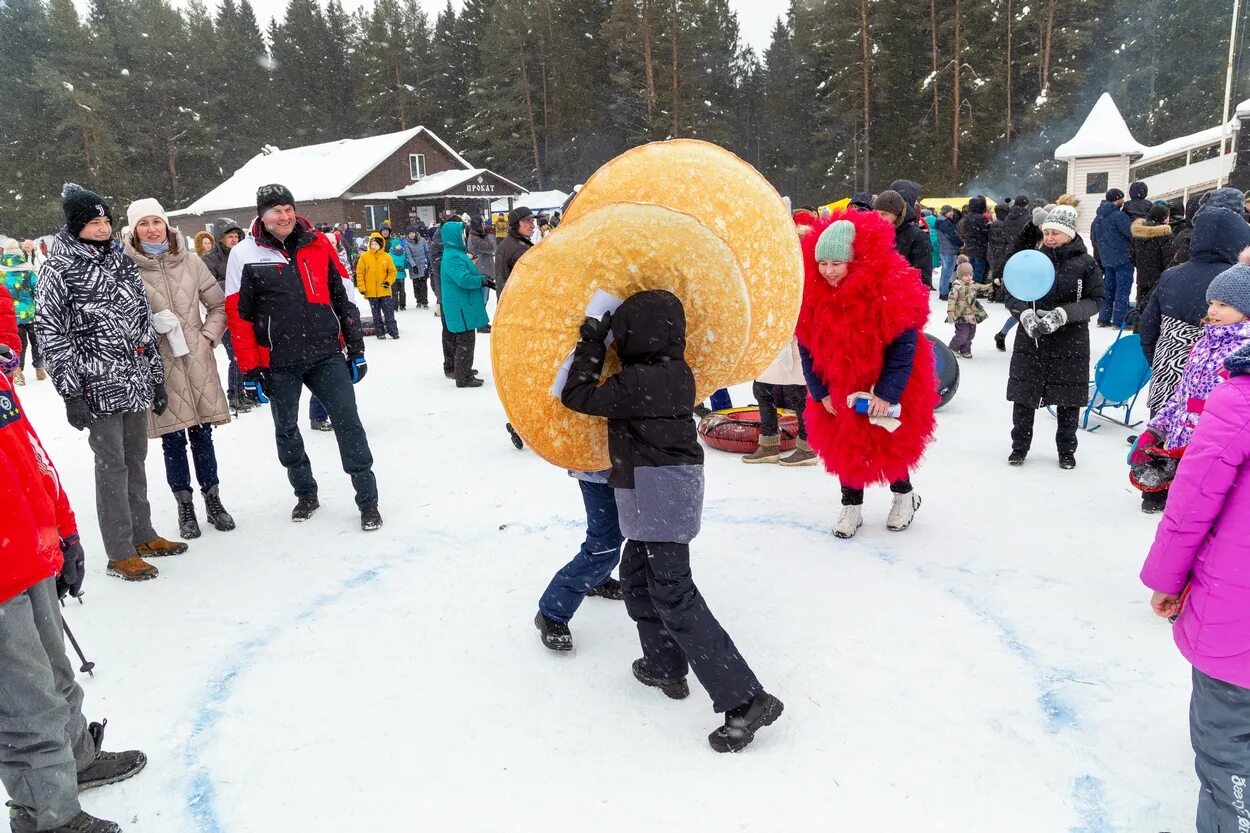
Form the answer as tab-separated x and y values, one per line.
1087	797
202	801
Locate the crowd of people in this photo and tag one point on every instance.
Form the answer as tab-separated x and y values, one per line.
127	329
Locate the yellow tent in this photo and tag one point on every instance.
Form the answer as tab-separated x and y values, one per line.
954	202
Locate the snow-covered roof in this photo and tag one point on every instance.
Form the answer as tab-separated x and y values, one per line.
535	201
1179	145
313	172
1104	133
1243	109
435	184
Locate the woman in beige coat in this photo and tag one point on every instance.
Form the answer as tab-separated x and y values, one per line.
177	284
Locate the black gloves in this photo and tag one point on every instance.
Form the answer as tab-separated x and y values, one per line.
489	283
596	330
78	412
258	376
160	399
74	570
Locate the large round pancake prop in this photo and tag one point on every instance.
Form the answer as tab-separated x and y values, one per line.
738	203
621	249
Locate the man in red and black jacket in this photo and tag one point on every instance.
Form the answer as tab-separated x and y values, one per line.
47	751
291	315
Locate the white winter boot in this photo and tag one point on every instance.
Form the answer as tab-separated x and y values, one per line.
849	522
902	511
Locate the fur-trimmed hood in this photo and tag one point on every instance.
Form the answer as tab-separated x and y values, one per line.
1144	230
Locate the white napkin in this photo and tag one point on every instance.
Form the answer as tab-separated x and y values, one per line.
167	324
890	424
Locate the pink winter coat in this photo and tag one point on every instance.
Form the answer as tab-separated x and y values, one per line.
1204	538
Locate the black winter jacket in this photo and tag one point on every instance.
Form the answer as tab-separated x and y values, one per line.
510	251
1172	321
95	327
1019	231
1152	253
975	229
657	462
1054	369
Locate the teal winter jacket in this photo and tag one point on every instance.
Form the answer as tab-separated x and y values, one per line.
463	302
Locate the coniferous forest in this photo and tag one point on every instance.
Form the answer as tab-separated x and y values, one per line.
145	98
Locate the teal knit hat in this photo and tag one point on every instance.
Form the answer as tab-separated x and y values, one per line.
835	242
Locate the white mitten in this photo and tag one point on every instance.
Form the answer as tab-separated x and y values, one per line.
1050	321
1029	322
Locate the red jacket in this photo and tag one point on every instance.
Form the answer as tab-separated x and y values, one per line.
289	305
8	323
36	516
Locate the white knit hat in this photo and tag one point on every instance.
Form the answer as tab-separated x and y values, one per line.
1062	218
144	208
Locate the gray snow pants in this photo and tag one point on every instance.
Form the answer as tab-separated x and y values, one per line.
43	734
120	443
1219	727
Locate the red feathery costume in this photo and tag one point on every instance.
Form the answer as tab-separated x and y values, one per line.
846	329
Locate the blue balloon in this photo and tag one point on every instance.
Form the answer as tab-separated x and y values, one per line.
1029	275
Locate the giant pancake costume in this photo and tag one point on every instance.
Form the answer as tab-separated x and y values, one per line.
685	216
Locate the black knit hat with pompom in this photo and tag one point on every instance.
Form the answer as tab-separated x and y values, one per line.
81	207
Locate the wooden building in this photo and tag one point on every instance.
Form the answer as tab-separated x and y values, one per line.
398	177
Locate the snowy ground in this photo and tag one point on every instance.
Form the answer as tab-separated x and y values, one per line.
994	668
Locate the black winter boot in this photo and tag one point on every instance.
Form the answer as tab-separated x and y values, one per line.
108	767
370	519
22	822
610	589
215	513
742	723
188	526
304	509
677	689
555	635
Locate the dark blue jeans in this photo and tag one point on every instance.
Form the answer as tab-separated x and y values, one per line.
980	270
1118	285
384	317
177	472
317	411
948	272
330	382
594	562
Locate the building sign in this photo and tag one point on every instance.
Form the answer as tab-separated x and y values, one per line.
480	186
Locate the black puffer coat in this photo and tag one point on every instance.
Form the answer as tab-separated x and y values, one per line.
975	229
1153	248
910	240
1054	369
1019	230
657	462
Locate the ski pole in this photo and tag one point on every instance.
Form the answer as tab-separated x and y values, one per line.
86	666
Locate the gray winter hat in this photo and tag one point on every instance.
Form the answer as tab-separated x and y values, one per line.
1232	286
1229	198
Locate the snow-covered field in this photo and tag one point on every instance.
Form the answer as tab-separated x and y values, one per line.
994	668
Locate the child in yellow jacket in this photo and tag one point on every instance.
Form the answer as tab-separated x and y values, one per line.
375	272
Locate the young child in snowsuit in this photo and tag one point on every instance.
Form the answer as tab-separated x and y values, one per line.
964	310
1200	546
860	336
1227	330
590	571
657	472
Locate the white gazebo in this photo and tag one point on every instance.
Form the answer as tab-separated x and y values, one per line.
1103	155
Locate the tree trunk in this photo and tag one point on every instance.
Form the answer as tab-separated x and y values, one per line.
933	78
400	95
867	78
1009	22
171	161
529	113
959	61
673	24
1046	43
648	63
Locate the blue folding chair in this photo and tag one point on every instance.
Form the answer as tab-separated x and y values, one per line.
1119	378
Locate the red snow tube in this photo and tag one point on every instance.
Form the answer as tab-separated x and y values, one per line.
738	429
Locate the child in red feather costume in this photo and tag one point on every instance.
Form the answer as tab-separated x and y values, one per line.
861	330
